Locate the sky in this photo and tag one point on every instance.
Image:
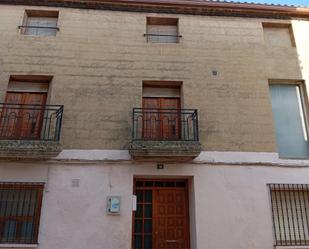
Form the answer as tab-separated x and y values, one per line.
288	2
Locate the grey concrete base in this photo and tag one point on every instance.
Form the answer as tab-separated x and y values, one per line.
165	150
29	149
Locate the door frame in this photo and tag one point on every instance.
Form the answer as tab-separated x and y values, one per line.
169	179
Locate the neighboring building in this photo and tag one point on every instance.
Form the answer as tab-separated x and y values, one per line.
199	109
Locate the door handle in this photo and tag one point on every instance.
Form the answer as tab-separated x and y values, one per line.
171	241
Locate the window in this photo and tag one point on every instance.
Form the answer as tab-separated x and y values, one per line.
20	209
289	114
279	35
40	23
290	210
162	30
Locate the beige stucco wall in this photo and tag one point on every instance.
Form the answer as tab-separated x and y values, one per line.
230	205
100	58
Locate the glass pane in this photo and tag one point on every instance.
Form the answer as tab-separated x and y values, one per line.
148	196
4	196
138	226
139	195
181	184
169	184
139	184
137	242
139	210
26	231
41	22
148	210
148	184
159	184
162	33
147	242
287	112
9	231
148	226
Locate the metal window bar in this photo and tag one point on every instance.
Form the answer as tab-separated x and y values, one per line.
162	38
149	34
37	27
165	124
290	207
30	122
20	209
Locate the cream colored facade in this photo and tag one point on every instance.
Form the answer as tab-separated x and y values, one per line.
99	60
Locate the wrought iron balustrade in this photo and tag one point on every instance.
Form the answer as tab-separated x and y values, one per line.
165	124
30	122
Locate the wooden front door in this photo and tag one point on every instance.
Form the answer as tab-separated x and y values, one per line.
24	119
161	118
161	220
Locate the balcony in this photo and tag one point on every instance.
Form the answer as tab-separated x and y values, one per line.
165	134
30	131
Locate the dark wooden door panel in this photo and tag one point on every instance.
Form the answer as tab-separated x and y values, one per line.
151	118
161	124
32	118
170	219
9	125
20	121
170	125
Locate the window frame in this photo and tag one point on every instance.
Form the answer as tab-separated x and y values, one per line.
48	14
162	21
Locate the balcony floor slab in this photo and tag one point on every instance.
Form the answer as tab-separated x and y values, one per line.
29	149
164	150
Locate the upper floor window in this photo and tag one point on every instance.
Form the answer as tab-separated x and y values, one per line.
289	112
290	211
279	35
20	210
40	23
162	30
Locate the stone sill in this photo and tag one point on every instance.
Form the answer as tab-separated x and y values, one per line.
18	245
291	247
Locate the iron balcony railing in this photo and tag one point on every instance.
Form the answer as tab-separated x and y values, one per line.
165	124
290	212
30	122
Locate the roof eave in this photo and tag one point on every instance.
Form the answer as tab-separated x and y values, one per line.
176	6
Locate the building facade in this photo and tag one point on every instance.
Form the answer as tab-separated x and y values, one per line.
153	124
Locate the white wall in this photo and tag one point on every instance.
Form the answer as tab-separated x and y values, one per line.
232	204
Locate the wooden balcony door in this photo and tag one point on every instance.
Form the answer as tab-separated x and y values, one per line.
19	121
161	118
161	220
